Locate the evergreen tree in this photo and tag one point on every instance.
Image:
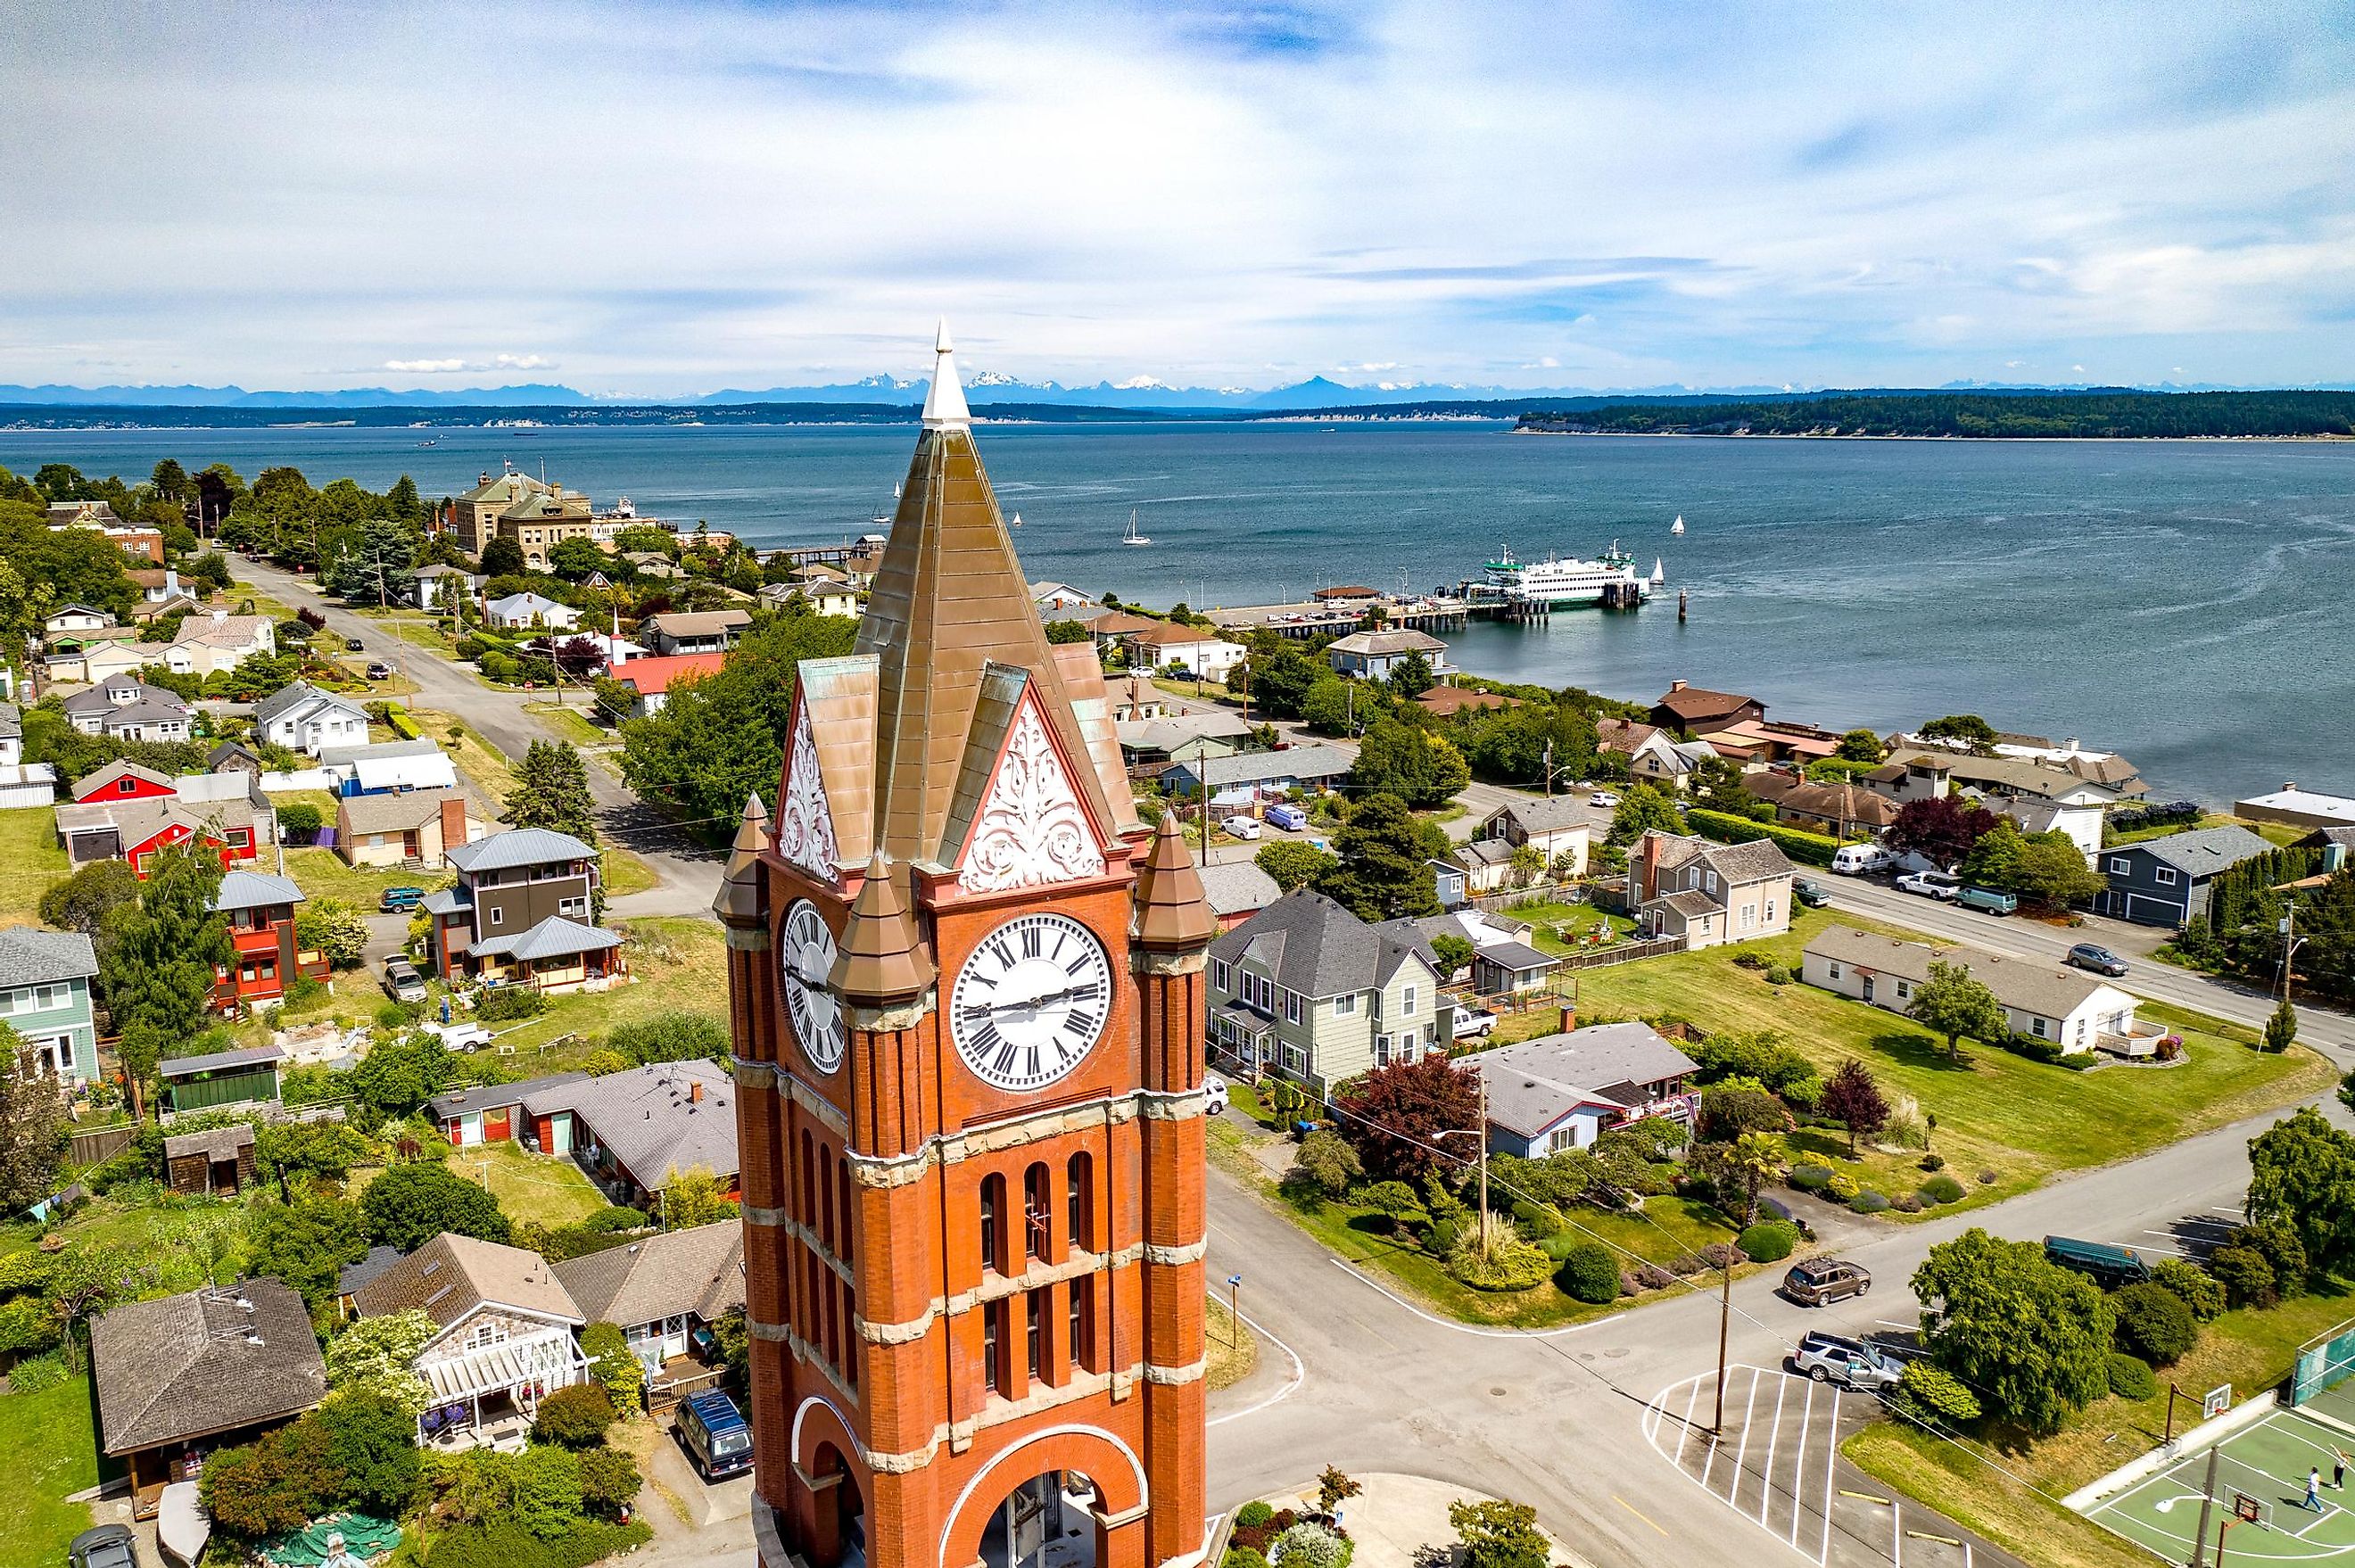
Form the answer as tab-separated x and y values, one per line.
33	1126
163	960
2281	1029
1384	871
552	792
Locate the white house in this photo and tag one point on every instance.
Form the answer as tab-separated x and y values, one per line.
389	767
209	644
75	618
1562	1091
2069	1007
1372	655
22	785
504	1326
520	612
1191	648
1056	600
97	661
2037	797
1554	826
824	595
438	585
303	718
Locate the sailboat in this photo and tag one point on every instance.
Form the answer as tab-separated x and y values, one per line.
1677	528
1016	522
1659	571
1132	537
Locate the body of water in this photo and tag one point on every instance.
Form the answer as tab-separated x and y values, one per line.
2184	602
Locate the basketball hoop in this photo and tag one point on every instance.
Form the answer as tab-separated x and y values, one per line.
2245	1508
2216	1401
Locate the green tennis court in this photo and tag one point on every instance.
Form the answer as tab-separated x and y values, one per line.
2268	1462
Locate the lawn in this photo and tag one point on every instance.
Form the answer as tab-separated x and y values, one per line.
177	1243
2022	1119
48	1452
1554	924
2248	1350
1230	1348
2280	834
529	1186
30	860
321	874
680	965
571	723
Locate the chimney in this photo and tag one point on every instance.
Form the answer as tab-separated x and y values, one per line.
2289	787
695	1092
453	824
1569	1018
1676	686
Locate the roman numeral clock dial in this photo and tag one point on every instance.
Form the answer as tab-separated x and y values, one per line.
1031	1001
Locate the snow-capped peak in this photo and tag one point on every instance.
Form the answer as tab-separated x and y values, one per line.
1143	384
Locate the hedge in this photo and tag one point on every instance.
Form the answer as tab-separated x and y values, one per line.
1768	1244
403	724
1806	848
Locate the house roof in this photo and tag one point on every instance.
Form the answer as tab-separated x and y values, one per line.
519	847
1754	861
697	622
1396	640
1481	852
254	890
2305	802
1174	731
301	698
1174	633
1693	704
1690	903
378	751
145	711
648	676
650	1120
451	1275
1547	814
219	1061
96	700
699	1270
1841	802
352	1277
208	1360
2014	775
33	957
1517	955
2322	836
2022	983
1443	701
494	1097
392	813
1118	624
213	1143
1534	1084
555	938
230	752
2203	851
1310	945
222	631
1239	888
118	770
1254	767
1621	734
515	604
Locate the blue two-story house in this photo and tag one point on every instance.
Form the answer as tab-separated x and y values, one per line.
2164	880
45	996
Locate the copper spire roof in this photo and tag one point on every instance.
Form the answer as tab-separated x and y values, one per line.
739	900
882	960
948	599
1172	912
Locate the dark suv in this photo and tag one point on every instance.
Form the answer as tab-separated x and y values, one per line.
2099	959
1819	1281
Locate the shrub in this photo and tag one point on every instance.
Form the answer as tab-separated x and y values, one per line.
1536	1221
1869	1202
1747	959
1652	1277
1806	848
1242	1557
1941	1189
1442	1237
1685	1264
1252	1515
2247	1278
2153	1322
1934	1162
1810	1177
1309	1545
2200	1295
1322	1167
35	1374
1930	1390
1508	1264
1906	1203
1589	1274
2130	1378
609	1481
612	1363
505	1545
1768	1244
575	1416
1843	1188
1720	1255
2277	1243
502	1004
1988	1179
1778	975
1803	1093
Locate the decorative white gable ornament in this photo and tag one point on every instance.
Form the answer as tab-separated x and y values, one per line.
1031	831
804	822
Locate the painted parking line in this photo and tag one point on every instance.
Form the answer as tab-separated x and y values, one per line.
1789	1477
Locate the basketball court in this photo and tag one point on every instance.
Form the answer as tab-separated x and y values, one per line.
2260	1470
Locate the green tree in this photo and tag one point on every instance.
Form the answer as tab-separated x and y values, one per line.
2029	1336
375	564
1642	810
1718	784
395	1078
502	556
577	559
1331	707
285	1151
612	1364
551	791
334	927
1455	954
2302	1176
34	1126
1418	767
374	1357
694	1197
1497	1535
2281	1033
1411	677
1527	863
1859	746
1324	1164
1062	631
674	1035
410	1205
307	1245
161	959
1384	871
609	1481
373	1441
1292	865
1951	1003
574	1417
1967	727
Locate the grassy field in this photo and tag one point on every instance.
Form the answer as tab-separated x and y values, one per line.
321	874
30	860
2251	1351
2277	833
529	1185
2022	1119
178	1243
571	723
1232	1349
1549	920
48	1452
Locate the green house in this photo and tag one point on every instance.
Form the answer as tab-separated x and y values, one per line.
221	1078
45	978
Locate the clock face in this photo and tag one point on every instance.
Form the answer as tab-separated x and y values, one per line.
804	957
1031	1002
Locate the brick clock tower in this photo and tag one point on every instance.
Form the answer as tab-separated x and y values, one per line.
967	996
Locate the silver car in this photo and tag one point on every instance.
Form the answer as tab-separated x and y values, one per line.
1852	1363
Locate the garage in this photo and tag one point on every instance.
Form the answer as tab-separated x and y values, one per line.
2145	909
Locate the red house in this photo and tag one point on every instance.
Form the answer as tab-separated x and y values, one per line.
134	829
124	781
260	911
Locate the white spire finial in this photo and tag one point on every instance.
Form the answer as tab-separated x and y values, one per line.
945	406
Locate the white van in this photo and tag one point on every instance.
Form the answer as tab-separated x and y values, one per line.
1861	859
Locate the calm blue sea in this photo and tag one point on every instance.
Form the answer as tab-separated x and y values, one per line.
2185	602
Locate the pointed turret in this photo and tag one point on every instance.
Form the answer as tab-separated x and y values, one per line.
945	406
881	961
1172	914
741	902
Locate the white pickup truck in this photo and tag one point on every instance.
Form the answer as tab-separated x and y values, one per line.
459	1036
1931	885
1474	1023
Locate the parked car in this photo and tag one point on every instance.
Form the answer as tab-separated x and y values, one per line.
1861	860
2099	959
716	1437
1812	893
1819	1281
2111	1267
1474	1023
1215	1087
379	670
1244	827
1989	900
354	646
106	1546
460	1036
401	980
1835	1358
1932	885
1291	818
1602	797
393	901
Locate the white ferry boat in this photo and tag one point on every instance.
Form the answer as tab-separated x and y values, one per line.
1558	582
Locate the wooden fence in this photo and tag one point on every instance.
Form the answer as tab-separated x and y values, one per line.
97	1143
1625	953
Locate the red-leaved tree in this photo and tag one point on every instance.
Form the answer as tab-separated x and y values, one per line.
1943	827
1852	1096
1392	1114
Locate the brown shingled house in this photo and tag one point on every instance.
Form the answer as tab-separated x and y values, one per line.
1690	710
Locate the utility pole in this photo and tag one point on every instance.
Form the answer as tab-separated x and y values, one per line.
1549	769
2290	944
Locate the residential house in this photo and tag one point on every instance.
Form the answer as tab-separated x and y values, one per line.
246	1076
695	631
664	1292
211	644
2166	880
135	830
1449	882
148	612
519	915
649	680
632	1132
1512	969
1841	809
2067	1007
22	783
1169	645
1503	962
1240	779
45	996
1308	991
2299	807
1653	755
123	781
439	587
1373	655
1758	743
651	563
1709	893
1689	712
80	618
2069	755
2334	843
260	911
215	1162
99	659
1238	891
1057	601
504	1333
2038	798
124	708
824	595
388	767
1556	826
1136	698
613	650
1484	864
303	718
184	1376
1447	701
1112	628
1151	743
492	1113
158	585
522	612
414	827
1562	1091
228	756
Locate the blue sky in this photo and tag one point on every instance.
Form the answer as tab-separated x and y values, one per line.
667	198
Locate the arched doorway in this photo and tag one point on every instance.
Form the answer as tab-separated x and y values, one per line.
839	1539
1047	1522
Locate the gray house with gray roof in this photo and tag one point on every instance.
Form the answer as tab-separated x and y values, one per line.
2165	880
1308	991
1564	1090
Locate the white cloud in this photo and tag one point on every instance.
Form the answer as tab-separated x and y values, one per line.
523	362
426	367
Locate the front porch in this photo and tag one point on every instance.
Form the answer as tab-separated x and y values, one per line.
489	1395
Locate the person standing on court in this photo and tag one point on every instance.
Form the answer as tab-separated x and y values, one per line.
2337	1469
2313	1488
